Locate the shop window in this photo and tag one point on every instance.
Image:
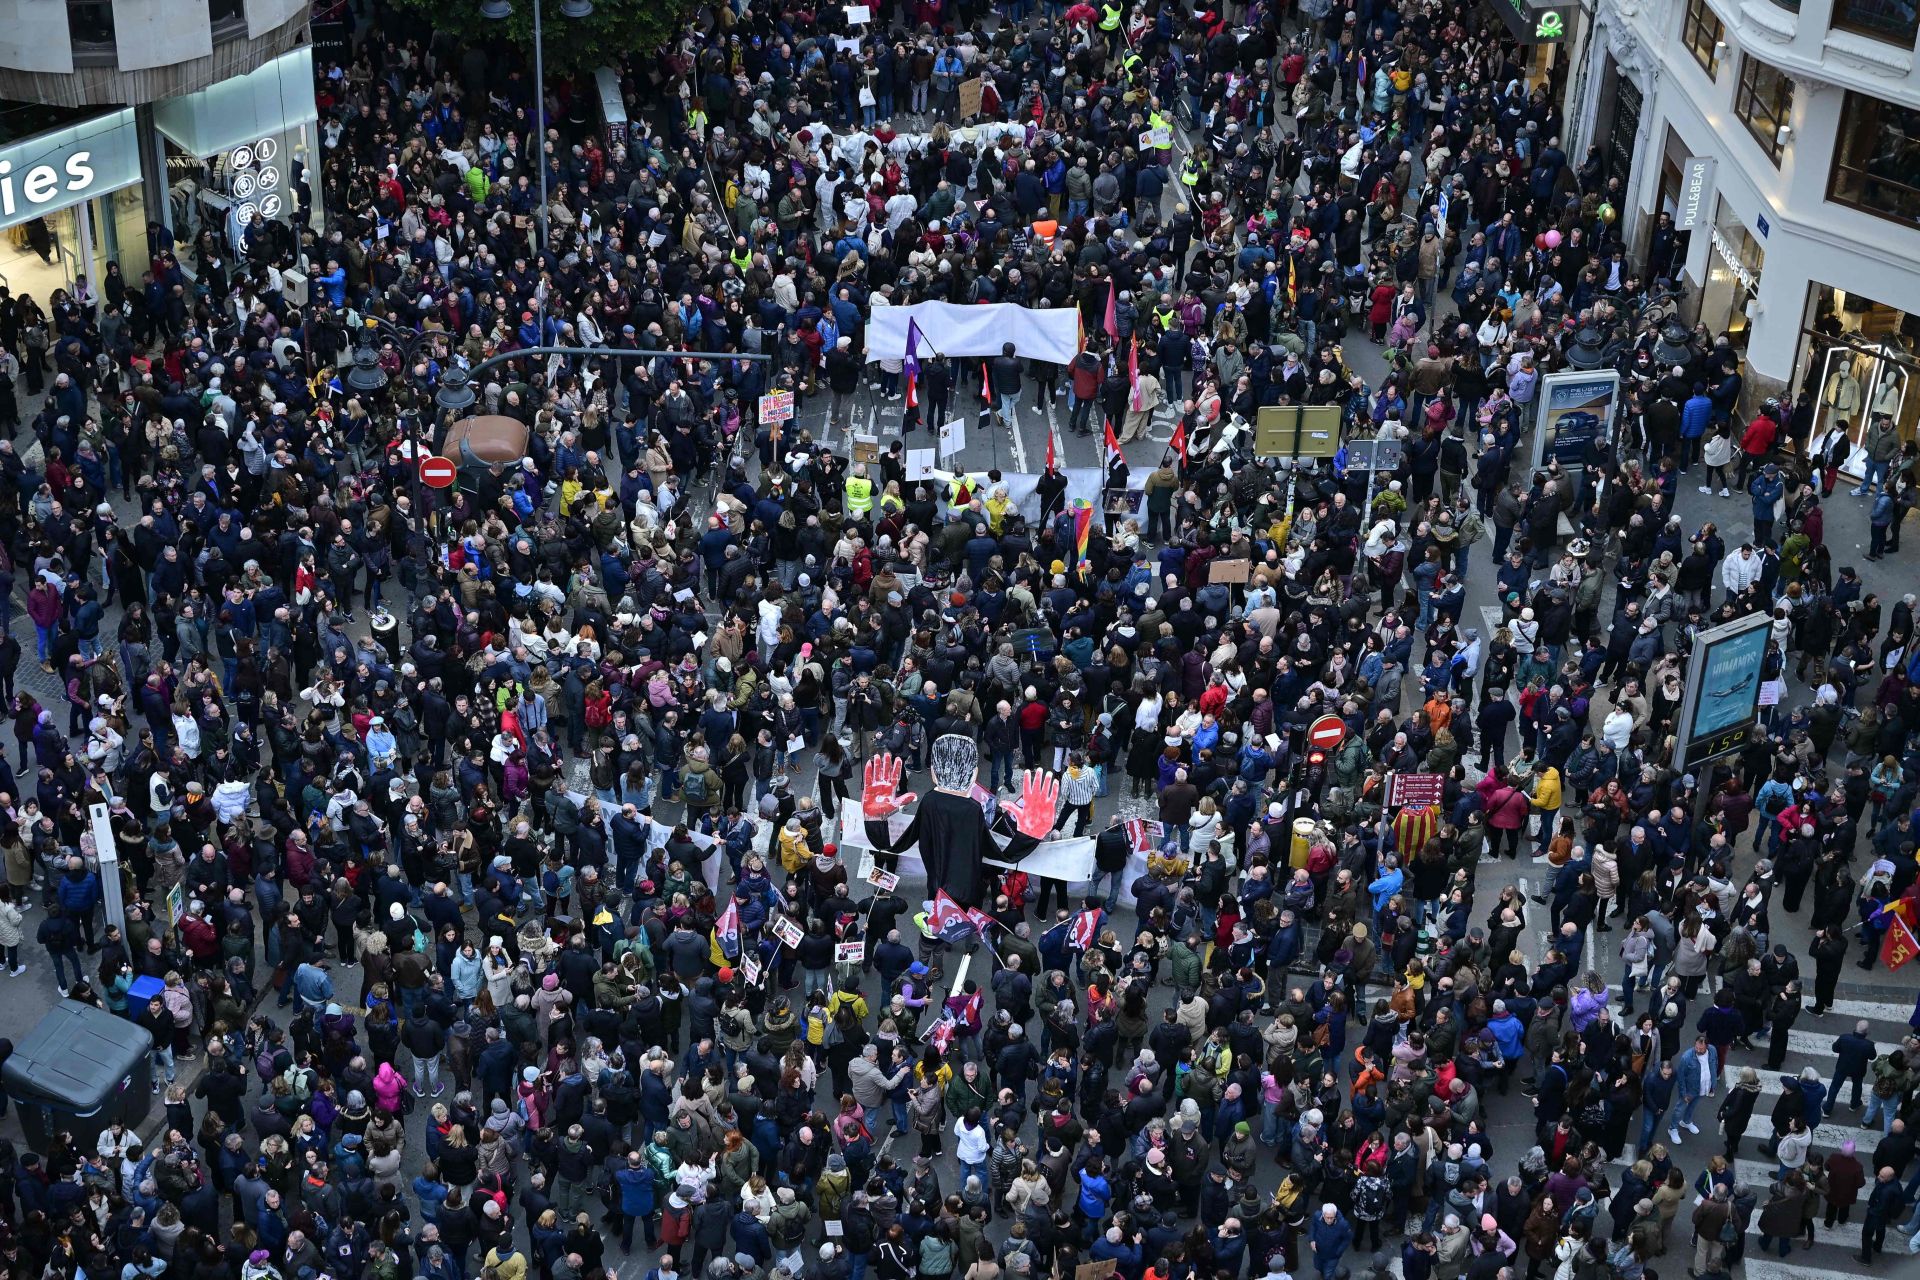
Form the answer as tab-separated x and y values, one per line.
1876	165
90	25
1764	102
1894	21
1702	32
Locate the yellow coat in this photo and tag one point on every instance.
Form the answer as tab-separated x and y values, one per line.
794	851
1546	791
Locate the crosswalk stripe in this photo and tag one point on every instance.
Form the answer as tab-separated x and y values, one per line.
1758	1174
1826	1137
1879	1010
1759	1268
1818	1044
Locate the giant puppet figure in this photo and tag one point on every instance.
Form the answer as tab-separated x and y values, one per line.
950	827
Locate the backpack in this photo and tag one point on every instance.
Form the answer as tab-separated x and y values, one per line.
694	789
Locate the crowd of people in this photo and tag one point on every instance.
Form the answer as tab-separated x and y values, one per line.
488	809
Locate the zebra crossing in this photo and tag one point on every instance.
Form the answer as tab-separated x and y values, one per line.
1835	1249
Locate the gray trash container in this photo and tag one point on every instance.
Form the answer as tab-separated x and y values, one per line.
80	1069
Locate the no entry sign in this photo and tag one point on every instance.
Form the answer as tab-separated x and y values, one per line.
1327	733
436	472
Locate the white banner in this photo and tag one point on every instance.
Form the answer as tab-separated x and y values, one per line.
1069	860
954	330
1023	487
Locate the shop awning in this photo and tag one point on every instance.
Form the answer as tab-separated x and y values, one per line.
268	100
1533	21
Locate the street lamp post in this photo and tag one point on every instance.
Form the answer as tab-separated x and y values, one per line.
499	11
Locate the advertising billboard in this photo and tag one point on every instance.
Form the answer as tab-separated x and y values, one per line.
1573	409
1722	699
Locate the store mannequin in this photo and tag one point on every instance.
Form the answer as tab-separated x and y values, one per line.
1886	396
1843	391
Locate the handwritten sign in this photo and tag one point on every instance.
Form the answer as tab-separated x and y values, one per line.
776	406
885	881
859	15
753	969
971	92
850	953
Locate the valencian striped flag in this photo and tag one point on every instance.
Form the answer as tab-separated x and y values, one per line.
912	363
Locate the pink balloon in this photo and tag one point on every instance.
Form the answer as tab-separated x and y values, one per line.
1553	239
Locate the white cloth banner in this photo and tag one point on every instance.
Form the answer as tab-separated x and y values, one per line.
1069	861
954	330
1023	487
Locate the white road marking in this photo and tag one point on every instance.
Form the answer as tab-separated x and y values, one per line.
1526	935
1884	1012
1759	1268
1019	444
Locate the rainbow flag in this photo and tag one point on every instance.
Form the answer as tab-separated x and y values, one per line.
1082	527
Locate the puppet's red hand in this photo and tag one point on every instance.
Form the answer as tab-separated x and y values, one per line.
1039	804
880	782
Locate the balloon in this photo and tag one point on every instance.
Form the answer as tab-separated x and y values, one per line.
1540	240
1608	213
1553	239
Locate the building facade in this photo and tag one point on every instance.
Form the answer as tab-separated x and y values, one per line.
1780	143
122	117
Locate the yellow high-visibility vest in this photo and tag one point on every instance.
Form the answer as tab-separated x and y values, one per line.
1110	15
859	495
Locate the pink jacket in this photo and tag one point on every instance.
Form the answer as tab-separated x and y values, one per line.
387	1084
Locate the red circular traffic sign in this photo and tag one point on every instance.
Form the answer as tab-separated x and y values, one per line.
1327	732
436	472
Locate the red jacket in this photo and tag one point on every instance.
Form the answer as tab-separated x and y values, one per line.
1759	435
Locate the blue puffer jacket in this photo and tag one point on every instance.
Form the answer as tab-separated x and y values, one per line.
77	894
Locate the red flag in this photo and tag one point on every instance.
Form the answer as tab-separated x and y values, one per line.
1113	443
1133	372
1900	945
1084	931
1179	442
1049	450
986	384
726	930
948	919
1112	320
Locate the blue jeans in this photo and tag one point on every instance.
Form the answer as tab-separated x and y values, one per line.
61	959
44	636
1685	1114
1112	879
976	1170
1884	1108
1270	1127
1649	1125
163	1060
1002	767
